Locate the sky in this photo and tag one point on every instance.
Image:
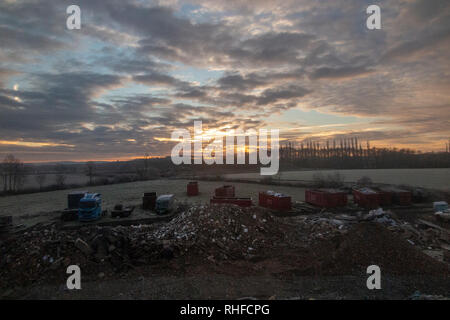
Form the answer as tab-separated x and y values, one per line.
138	70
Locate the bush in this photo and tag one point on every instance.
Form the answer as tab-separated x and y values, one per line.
266	180
318	179
364	181
334	180
102	181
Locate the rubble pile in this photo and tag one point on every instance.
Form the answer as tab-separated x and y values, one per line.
223	232
216	232
45	252
424	234
327	225
339	243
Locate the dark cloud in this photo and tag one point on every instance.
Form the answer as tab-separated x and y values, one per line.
339	73
160	79
265	57
237	81
15	39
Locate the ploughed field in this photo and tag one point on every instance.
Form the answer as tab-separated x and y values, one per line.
425	178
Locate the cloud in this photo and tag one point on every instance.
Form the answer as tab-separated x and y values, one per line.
137	70
340	73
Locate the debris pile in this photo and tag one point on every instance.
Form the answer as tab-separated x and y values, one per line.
324	243
425	235
45	252
215	232
223	232
326	225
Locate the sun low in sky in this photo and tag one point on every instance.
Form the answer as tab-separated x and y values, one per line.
136	71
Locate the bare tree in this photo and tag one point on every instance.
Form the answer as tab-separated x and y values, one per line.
60	179
143	169
12	173
40	179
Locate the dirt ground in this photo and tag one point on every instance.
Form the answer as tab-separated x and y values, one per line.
219	286
302	262
29	209
223	252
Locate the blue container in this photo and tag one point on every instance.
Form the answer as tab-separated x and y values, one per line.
90	207
440	206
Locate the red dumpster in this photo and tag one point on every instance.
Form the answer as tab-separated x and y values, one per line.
225	191
242	202
275	201
262	199
385	197
366	198
281	202
326	198
399	196
192	189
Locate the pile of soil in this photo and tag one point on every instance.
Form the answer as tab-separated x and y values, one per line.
371	243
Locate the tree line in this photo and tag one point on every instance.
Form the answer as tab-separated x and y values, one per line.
350	154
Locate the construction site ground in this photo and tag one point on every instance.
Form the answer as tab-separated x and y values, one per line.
29	209
217	252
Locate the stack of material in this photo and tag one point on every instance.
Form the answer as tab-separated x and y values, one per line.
226	195
121	211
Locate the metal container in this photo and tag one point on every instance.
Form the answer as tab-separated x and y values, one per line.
399	196
385	196
281	202
226	191
262	199
366	198
275	201
149	201
242	202
73	199
192	189
440	206
165	203
326	198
